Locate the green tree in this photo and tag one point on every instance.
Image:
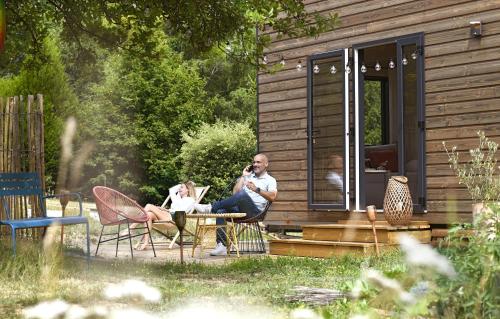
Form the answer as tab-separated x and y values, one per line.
138	114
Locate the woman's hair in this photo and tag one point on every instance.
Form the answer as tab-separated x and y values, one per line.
191	190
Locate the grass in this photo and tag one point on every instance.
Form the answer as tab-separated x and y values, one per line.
263	281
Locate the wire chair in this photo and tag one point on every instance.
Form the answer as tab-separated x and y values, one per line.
116	209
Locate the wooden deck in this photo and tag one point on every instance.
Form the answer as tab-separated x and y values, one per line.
347	237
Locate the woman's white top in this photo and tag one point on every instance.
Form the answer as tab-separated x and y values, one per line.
180	203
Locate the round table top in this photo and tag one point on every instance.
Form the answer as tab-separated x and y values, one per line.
226	215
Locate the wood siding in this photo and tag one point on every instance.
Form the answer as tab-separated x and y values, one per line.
462	94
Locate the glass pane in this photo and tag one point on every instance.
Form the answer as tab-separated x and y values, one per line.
373	112
410	118
328	132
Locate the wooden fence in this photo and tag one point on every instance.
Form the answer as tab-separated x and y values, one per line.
22	143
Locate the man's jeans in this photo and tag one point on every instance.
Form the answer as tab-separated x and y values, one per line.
238	202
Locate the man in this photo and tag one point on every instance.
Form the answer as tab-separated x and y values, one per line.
251	193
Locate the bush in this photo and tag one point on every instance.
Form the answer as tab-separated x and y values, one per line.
217	154
475	292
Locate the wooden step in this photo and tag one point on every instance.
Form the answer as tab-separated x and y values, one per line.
322	249
362	232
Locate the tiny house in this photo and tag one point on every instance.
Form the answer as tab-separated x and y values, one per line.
374	98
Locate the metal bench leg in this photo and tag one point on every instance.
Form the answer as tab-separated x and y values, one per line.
13	239
88	242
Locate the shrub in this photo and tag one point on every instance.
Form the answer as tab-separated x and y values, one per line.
217	154
474	293
478	174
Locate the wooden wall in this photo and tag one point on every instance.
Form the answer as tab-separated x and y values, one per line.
462	94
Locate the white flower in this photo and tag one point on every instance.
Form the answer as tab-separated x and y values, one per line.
423	255
47	309
130	288
378	279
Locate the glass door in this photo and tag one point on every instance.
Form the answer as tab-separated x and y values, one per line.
411	116
328	130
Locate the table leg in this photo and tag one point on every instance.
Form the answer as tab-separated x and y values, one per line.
196	234
235	238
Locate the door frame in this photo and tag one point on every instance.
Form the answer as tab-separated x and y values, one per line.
359	151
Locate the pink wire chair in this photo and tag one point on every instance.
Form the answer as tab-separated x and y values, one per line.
116	209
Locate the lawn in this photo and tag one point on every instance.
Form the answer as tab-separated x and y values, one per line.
249	284
390	285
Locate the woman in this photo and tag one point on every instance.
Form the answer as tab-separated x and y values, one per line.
183	197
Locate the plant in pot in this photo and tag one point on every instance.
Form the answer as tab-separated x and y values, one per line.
479	173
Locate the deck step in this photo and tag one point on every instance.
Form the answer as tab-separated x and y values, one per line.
322	249
361	232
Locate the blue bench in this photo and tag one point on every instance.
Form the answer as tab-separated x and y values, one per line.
20	187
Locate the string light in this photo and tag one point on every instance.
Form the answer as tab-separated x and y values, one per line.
405	61
333	69
282	62
299	66
363	68
347	69
392	65
316	69
414	55
377	67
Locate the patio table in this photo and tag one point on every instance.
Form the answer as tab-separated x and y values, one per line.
202	227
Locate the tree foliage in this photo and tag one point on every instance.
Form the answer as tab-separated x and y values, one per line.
200	25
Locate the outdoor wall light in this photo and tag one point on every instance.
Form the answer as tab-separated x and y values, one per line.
475	29
316	69
299	66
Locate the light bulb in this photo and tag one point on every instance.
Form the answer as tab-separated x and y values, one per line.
316	69
299	66
363	68
333	69
414	55
264	59
405	61
377	67
347	69
392	65
282	62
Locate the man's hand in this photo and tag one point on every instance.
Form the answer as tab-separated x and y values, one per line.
250	185
247	171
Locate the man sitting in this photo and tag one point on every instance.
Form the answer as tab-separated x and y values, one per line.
251	193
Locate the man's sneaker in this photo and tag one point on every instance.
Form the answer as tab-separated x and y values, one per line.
219	250
203	209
